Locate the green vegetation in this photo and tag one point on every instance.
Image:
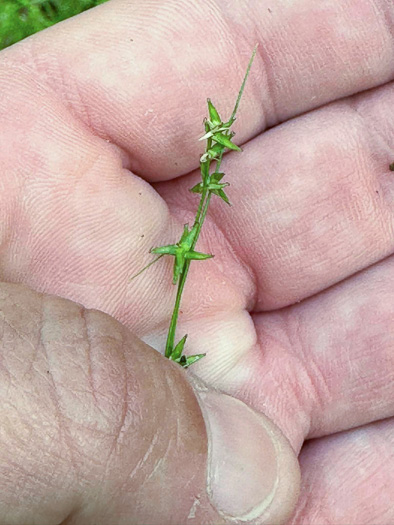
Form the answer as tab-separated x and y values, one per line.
22	18
218	137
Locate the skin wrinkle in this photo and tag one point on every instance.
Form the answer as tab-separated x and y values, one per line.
89	352
322	395
141	463
28	477
118	441
264	62
319	391
5	369
155	441
238	258
90	163
368	126
318	383
84	108
388	19
301	386
178	437
36	346
160	463
33	60
20	334
64	431
121	426
11	376
300	398
69	520
220	373
388	224
128	380
300	509
125	410
138	469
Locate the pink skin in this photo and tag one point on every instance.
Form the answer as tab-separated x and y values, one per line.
99	121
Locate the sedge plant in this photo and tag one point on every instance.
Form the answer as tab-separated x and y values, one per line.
218	136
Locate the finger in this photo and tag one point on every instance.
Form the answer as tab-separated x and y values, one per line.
348	478
145	90
312	200
68	208
99	428
316	368
73	222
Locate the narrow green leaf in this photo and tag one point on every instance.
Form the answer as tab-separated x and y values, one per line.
146	267
190	359
207	135
170	249
198	256
216	177
227	125
197	188
213	114
219	186
225	141
185	234
223	196
232	118
177	352
189	238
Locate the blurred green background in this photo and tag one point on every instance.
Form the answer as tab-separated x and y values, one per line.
21	18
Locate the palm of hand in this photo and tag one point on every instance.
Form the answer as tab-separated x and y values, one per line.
295	310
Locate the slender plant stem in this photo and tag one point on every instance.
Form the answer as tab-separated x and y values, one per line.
181	285
201	205
205	191
218	138
175	313
207	199
200	217
146	267
243	84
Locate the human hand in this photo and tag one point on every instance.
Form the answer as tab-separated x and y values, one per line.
311	222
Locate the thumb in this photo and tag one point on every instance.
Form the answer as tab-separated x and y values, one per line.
99	429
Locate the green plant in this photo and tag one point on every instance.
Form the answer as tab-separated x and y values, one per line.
21	18
218	138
